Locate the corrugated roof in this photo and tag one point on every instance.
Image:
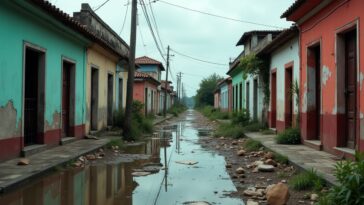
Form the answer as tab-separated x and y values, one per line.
145	60
68	21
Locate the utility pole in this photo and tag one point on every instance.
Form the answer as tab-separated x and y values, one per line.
130	83
166	86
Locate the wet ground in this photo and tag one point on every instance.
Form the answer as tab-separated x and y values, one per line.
178	171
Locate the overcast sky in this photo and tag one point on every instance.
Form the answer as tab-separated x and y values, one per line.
197	35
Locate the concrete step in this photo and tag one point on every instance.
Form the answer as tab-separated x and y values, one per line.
314	144
33	149
67	140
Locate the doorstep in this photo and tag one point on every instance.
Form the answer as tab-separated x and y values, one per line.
67	140
33	149
314	144
345	152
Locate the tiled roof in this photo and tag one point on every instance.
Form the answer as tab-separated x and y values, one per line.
145	60
145	76
292	8
68	21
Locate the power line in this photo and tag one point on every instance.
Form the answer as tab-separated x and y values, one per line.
218	16
126	14
197	59
155	24
99	7
145	12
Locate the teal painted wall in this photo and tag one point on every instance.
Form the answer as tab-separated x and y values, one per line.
237	78
18	27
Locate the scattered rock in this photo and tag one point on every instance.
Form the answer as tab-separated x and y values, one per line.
266	168
228	166
301	202
270	162
187	162
77	164
314	197
240	170
23	161
234	143
284	181
252	191
278	194
196	203
251	202
90	157
268	155
241	152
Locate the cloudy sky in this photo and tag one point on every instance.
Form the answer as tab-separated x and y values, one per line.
190	33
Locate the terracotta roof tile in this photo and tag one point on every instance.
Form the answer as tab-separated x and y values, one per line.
145	60
145	76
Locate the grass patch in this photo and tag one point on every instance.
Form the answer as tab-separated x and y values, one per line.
254	127
114	142
214	114
289	136
280	158
308	180
177	109
268	132
229	130
282	175
252	145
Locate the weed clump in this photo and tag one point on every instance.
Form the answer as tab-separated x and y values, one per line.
289	136
229	130
308	180
252	145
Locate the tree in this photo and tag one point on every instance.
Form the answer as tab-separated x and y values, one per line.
205	94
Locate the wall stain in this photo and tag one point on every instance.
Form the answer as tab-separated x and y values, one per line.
10	127
304	98
56	122
361	78
326	74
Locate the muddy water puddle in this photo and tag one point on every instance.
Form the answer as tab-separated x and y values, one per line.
179	171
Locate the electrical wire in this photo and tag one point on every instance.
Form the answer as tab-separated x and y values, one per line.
101	5
218	16
126	14
197	59
145	12
155	24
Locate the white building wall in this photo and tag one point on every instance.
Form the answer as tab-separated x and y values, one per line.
260	97
224	97
279	58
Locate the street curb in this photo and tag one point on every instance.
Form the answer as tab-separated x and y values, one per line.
45	170
301	167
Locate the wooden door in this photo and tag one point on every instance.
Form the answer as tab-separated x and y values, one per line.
66	88
255	99
288	98
350	88
274	100
110	98
94	98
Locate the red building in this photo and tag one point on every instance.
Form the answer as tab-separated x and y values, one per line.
331	76
145	91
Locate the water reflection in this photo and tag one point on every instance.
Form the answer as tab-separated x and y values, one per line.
113	183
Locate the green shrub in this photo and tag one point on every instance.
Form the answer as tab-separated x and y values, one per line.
289	136
280	158
308	180
241	118
229	130
214	113
114	142
147	125
350	175
252	145
177	109
254	127
119	117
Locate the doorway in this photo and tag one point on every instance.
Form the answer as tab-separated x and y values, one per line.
274	100
350	88
110	98
314	87
121	91
34	94
288	117
94	98
255	99
248	97
68	97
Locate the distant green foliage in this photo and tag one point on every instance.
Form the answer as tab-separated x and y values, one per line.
205	94
252	145
350	175
308	180
229	130
214	114
241	118
289	136
177	109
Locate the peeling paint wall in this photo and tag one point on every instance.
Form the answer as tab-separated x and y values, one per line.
9	126
279	58
237	78
105	63
326	30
